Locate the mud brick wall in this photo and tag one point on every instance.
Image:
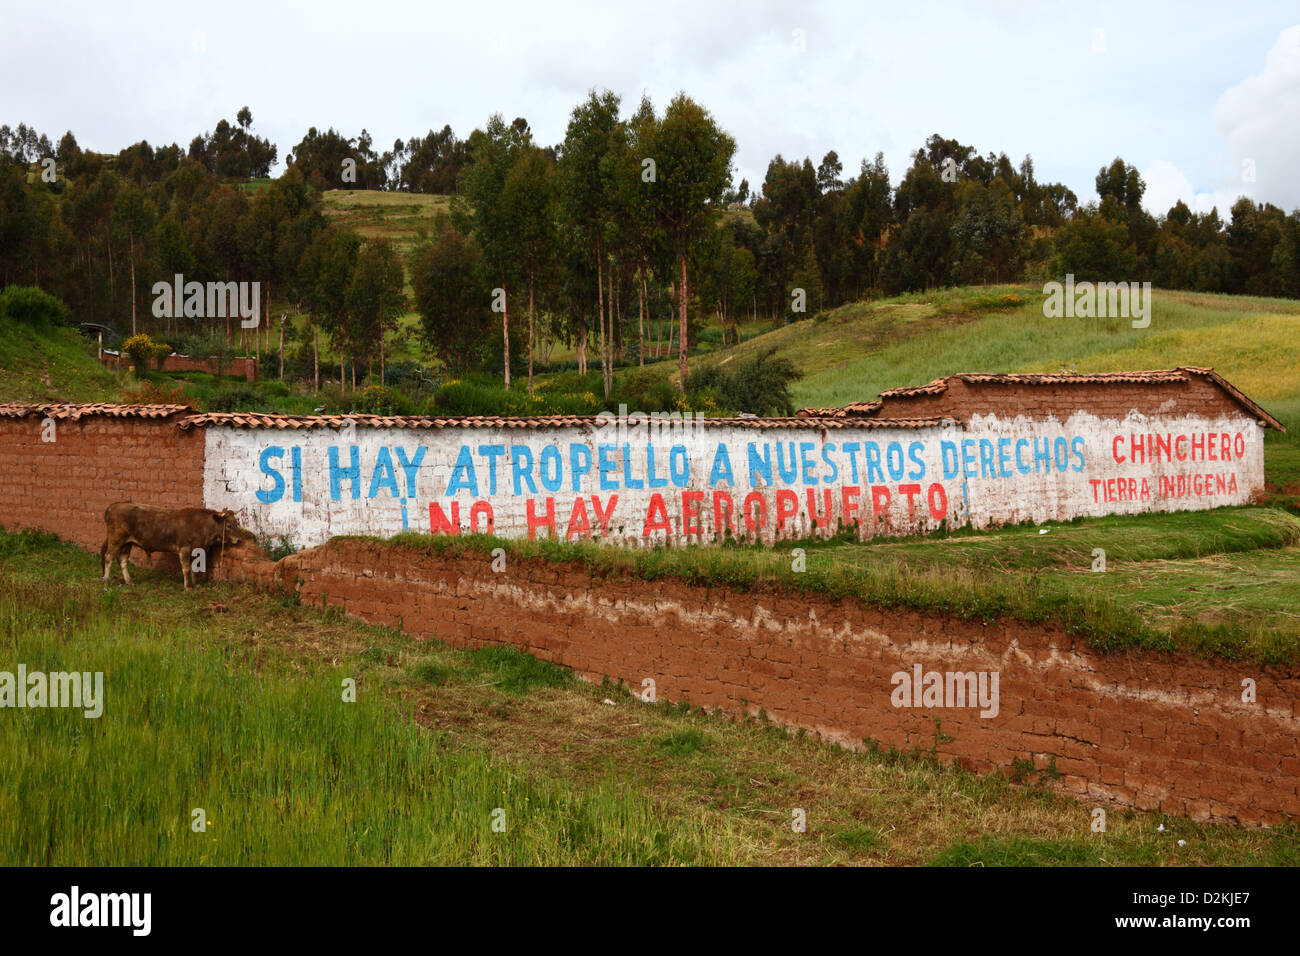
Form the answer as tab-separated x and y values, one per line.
244	367
763	480
1158	732
63	486
1196	396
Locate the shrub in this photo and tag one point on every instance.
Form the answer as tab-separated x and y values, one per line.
382	400
649	390
143	350
32	306
151	393
469	397
212	346
759	385
239	398
412	377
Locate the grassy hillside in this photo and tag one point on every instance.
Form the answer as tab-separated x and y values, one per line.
854	352
439	739
52	364
399	217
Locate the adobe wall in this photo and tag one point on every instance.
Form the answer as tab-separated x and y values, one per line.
699	483
243	366
1159	732
64	485
1196	396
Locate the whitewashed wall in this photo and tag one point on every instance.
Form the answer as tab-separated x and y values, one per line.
995	471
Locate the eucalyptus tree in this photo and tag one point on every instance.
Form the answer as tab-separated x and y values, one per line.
693	162
530	201
493	152
589	197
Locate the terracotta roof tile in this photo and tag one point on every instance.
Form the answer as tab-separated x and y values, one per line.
1149	377
296	422
71	411
854	414
1153	377
938	386
1236	394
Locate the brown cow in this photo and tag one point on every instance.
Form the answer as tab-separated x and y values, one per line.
176	530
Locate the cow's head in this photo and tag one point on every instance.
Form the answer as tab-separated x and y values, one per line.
232	535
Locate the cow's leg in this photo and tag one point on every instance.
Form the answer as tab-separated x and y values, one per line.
106	561
122	555
186	575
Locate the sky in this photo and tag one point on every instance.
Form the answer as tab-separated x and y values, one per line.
1203	98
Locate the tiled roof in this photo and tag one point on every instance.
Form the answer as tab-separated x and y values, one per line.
854	414
934	388
872	410
296	422
1236	394
1153	377
70	411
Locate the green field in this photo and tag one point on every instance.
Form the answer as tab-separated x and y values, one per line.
52	365
402	218
853	353
439	739
229	700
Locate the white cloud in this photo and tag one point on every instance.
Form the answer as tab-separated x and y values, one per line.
1166	184
1260	119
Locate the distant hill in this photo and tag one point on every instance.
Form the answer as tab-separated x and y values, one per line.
853	352
400	217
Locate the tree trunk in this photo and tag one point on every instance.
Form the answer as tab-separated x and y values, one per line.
530	334
611	308
600	317
505	330
282	351
659	339
582	351
640	320
315	353
616	326
681	338
133	283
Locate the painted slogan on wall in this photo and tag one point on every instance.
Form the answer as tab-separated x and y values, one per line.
629	480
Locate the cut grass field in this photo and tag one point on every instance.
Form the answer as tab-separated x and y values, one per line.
399	217
229	700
